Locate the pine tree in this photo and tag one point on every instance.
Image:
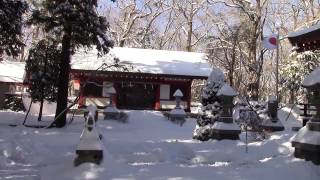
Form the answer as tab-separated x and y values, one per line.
43	70
73	23
211	108
11	13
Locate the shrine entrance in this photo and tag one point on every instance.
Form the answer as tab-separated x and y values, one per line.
136	95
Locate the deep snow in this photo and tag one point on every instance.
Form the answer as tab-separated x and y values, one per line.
149	146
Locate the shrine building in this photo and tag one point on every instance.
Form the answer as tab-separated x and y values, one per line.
306	39
148	81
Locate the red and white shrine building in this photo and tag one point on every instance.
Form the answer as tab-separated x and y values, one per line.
152	77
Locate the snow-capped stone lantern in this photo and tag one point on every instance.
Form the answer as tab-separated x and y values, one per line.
307	141
178	95
90	148
272	122
225	128
178	114
111	112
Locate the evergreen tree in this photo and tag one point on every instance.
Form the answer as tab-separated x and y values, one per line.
43	72
11	12
296	69
74	23
211	108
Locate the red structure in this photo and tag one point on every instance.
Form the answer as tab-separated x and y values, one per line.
154	77
306	39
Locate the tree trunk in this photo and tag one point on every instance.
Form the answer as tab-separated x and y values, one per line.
40	111
190	30
62	100
1	55
292	96
189	48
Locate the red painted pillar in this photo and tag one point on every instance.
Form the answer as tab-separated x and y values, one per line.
157	103
114	100
81	97
188	96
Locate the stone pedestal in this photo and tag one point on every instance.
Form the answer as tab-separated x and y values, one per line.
90	148
178	115
307	142
111	112
225	128
271	122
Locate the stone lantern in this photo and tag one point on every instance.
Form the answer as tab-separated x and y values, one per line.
178	95
90	148
271	122
111	112
307	141
178	114
225	128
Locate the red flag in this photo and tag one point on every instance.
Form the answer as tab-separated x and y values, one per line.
270	42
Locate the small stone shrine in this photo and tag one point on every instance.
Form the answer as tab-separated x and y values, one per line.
272	122
224	127
307	141
90	148
178	114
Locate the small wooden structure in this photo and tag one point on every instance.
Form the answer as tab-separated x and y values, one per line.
150	82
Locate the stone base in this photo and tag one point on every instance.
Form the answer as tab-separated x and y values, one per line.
178	120
111	113
93	156
272	126
307	152
178	116
221	136
307	143
222	130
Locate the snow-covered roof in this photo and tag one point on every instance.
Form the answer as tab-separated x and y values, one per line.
312	79
11	72
304	31
147	61
178	93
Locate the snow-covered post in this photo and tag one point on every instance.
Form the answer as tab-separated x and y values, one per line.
111	112
307	140
90	147
225	128
178	114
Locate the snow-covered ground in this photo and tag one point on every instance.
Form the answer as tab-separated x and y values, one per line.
148	147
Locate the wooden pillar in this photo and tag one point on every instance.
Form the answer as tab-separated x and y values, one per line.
188	95
81	96
157	103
